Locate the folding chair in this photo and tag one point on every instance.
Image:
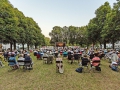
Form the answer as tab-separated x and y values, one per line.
45	60
59	65
70	58
12	64
76	57
65	54
50	59
38	56
56	55
85	63
21	63
28	65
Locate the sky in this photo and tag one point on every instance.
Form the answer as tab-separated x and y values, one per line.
50	13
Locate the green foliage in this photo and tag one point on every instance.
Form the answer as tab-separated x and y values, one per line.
70	35
16	28
47	41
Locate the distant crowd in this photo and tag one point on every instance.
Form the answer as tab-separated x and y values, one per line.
72	54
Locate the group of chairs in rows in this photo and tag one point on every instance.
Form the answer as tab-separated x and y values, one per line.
88	64
24	61
47	58
84	61
72	57
85	64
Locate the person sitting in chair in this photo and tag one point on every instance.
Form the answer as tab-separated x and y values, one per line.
13	58
118	62
76	56
38	55
28	58
85	60
114	61
65	53
21	58
96	60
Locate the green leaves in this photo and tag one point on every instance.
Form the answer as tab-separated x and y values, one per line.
15	27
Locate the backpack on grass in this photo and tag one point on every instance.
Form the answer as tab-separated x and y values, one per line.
114	68
79	70
98	68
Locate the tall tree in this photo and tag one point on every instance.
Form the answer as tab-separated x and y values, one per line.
9	22
92	31
112	25
101	14
56	35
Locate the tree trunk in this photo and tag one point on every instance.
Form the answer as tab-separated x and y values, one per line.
113	45
35	46
23	46
81	44
100	45
14	45
28	46
104	44
11	46
87	45
72	43
93	46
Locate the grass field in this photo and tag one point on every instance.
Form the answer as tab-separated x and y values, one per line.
44	77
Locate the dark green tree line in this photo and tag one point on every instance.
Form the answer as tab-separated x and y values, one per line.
103	28
15	27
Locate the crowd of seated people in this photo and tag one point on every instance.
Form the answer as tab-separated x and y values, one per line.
69	53
22	56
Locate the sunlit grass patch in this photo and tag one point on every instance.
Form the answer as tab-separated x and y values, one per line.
44	77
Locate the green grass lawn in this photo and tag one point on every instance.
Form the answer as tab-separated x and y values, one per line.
44	77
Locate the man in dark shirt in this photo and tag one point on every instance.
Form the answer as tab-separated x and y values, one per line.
28	58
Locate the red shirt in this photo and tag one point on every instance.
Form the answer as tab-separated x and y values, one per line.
95	59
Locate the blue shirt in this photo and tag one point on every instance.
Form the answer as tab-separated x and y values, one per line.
12	59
